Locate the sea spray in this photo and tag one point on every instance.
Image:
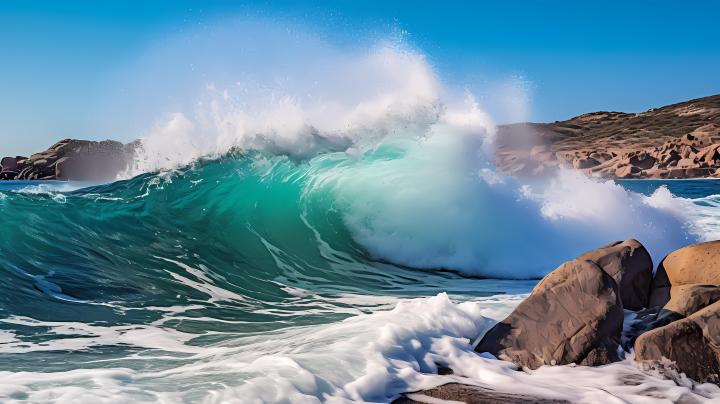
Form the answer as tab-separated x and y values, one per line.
290	240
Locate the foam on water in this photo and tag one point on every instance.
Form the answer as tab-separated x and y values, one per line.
286	243
366	358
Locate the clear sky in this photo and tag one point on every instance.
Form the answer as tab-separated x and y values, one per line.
98	70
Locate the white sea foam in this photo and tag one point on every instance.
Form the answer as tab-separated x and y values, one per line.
366	358
410	168
434	200
362	97
430	201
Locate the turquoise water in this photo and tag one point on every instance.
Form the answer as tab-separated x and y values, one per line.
234	278
242	253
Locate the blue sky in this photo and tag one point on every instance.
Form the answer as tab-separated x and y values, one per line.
98	70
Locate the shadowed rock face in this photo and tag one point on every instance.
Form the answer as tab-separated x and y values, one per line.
572	312
698	264
676	141
692	345
686	334
630	265
470	395
575	314
686	300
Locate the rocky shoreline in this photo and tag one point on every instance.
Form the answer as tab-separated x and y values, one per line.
672	142
71	159
574	316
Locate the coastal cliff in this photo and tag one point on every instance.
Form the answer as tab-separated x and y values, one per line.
71	159
676	141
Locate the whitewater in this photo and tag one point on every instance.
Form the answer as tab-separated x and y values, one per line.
307	243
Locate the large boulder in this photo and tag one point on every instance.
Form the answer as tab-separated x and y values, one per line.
574	315
697	264
685	337
690	346
630	265
686	300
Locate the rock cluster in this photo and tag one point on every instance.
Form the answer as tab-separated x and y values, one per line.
70	159
694	155
575	315
676	141
687	337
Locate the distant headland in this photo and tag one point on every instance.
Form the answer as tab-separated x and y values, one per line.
676	141
71	159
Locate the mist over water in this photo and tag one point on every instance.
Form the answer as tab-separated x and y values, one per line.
407	163
302	236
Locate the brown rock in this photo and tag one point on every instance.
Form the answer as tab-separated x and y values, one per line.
709	153
630	265
585	162
64	168
11	163
627	171
672	156
676	173
642	162
697	264
572	311
685	163
539	149
598	357
690	346
698	172
686	300
470	395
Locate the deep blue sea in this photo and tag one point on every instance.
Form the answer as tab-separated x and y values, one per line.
692	189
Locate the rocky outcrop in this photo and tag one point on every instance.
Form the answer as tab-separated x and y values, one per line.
630	265
456	392
697	264
690	346
71	159
685	337
575	314
676	141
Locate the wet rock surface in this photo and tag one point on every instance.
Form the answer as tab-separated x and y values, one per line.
697	264
684	338
470	395
691	345
573	313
